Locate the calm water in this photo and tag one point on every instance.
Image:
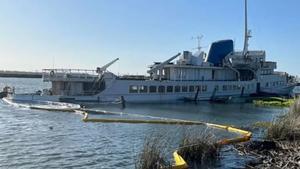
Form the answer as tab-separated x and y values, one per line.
40	139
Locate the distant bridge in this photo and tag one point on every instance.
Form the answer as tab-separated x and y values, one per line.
20	74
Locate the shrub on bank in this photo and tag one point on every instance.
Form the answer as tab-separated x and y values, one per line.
152	156
286	127
199	149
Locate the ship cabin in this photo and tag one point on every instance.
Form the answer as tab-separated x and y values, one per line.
70	82
221	64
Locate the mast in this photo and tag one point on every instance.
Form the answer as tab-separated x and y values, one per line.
247	32
199	42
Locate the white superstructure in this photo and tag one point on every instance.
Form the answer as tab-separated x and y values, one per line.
221	73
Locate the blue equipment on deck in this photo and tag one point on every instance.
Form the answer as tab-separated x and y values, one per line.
219	50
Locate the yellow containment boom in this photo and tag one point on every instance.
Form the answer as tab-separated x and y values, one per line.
180	163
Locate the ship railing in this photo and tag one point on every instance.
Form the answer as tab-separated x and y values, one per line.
257	52
251	52
71	71
269	65
71	74
83	93
25	90
280	73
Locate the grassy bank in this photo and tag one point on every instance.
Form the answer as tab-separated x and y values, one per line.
281	145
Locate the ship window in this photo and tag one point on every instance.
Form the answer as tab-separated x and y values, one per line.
184	89
204	88
191	89
152	89
133	89
161	89
143	89
177	88
217	88
267	84
234	87
65	86
87	86
169	89
198	88
224	87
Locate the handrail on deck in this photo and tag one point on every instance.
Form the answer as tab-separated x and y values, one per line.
70	71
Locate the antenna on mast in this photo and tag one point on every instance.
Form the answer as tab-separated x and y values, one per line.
247	32
198	41
53	61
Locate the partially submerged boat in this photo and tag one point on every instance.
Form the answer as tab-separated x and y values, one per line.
43	105
222	73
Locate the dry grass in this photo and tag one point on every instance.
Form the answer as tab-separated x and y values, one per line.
199	148
286	127
152	156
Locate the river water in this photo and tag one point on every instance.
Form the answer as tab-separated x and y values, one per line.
40	139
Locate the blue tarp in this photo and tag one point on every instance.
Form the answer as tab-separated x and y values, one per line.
219	50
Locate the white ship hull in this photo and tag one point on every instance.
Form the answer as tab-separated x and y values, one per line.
285	90
120	88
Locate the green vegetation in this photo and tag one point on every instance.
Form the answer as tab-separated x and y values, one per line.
274	101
